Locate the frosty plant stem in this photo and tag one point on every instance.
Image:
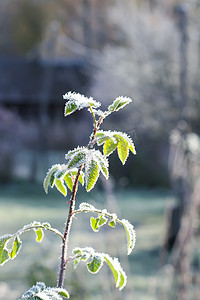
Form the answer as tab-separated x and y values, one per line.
63	260
83	165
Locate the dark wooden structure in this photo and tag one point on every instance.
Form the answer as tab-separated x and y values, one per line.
26	82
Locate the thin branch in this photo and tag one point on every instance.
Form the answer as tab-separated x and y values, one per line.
63	259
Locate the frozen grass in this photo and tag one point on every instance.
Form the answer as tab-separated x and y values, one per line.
21	204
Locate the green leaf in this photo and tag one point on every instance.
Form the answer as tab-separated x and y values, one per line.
69	181
49	179
123	152
131	235
109	147
102	220
61	187
78	101
118	273
77	159
91	173
102	162
16	247
39	234
4	255
94	223
101	137
62	292
119	103
124	138
95	265
70	107
112	222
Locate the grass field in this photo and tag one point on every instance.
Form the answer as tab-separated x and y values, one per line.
21	204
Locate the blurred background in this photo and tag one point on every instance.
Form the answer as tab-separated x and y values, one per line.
148	50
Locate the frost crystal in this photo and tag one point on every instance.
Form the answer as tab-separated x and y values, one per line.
80	101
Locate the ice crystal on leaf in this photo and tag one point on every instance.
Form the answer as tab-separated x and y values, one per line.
77	101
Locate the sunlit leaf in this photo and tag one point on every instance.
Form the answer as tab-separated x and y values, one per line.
77	159
69	181
123	152
39	234
15	247
118	273
49	179
70	107
119	103
91	173
102	162
102	220
131	235
109	147
61	187
95	265
94	224
77	101
4	255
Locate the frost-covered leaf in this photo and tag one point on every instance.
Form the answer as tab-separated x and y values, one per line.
118	273
77	159
94	224
103	136
15	247
131	235
82	254
99	113
113	220
91	173
77	101
119	103
61	187
39	234
69	181
124	138
86	207
62	292
109	147
113	140
102	162
41	292
96	262
70	107
4	255
49	179
102	220
122	151
95	265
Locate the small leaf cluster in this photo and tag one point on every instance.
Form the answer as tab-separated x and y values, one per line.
61	176
96	260
93	161
111	218
115	139
9	253
41	292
